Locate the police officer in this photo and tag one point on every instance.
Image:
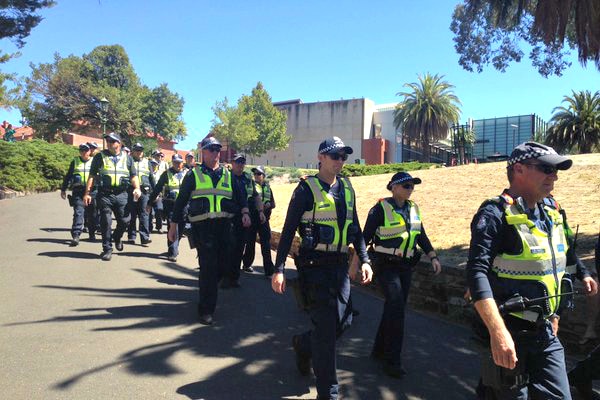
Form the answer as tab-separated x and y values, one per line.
323	209
114	171
519	248
93	151
93	148
213	198
240	233
169	186
76	179
139	208
260	224
394	228
189	161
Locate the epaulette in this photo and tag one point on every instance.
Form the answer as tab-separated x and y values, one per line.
550	201
503	200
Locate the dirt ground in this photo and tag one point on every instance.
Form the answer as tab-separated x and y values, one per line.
449	197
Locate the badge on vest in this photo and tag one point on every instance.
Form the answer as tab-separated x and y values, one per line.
538	250
561	247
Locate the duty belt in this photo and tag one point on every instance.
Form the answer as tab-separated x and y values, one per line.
332	259
387	250
210	215
331	248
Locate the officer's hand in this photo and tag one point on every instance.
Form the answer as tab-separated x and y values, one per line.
437	266
87	199
172	233
261	216
278	282
246	220
137	193
591	286
366	274
503	348
63	195
554	321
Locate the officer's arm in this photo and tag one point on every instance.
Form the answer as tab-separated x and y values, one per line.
135	180
374	220
94	169
301	199
501	342
359	241
68	176
158	188
272	198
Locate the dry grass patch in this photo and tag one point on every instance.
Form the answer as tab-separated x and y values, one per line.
449	197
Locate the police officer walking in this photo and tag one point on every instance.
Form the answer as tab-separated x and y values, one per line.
240	233
189	161
139	208
519	248
76	179
394	228
169	185
114	171
260	216
323	209
213	198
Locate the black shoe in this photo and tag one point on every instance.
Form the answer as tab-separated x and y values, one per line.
205	319
130	241
394	370
106	255
159	231
145	243
92	237
74	242
248	269
172	258
302	359
119	245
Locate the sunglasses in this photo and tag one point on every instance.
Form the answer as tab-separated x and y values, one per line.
544	168
408	186
213	149
111	141
240	161
337	156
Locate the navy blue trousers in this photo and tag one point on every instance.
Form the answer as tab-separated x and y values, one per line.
544	359
394	282
214	243
109	203
264	234
138	212
239	241
329	291
81	215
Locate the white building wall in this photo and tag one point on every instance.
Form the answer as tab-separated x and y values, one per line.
384	115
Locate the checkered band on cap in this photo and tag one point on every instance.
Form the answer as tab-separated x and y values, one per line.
403	179
532	152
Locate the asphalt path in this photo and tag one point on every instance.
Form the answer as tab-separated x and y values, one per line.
75	327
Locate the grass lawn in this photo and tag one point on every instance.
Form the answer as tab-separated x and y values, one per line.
449	197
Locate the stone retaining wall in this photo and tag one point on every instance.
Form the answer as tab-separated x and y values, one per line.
443	295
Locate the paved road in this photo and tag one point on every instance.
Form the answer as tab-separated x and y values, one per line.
75	327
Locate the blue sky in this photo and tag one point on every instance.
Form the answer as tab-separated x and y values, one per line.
314	50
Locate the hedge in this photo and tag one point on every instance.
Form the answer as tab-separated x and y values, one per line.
34	166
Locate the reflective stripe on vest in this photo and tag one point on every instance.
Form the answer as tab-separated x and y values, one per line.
82	170
142	168
325	213
543	259
215	195
394	227
264	191
114	171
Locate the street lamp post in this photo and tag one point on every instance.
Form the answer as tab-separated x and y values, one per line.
515	127
103	117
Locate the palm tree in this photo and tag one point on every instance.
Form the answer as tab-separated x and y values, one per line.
427	111
577	126
464	137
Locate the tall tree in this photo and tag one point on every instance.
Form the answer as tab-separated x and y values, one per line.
576	127
494	32
254	126
69	90
427	111
17	19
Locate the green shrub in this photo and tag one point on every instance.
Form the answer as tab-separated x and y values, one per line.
34	166
362	170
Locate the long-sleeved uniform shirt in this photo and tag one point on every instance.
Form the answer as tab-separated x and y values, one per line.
162	181
376	219
491	235
302	201
69	175
189	184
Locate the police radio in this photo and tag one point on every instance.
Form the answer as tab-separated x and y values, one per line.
308	239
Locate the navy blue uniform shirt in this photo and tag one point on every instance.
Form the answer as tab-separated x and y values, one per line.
302	201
